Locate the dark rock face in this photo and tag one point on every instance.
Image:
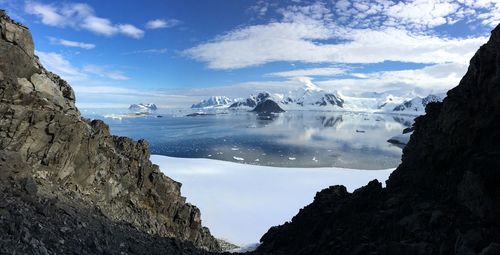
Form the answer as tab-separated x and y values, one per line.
333	100
444	198
267	107
67	155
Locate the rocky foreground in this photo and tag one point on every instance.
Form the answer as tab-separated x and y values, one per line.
444	198
67	184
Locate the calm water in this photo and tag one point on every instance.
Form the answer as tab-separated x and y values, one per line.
292	139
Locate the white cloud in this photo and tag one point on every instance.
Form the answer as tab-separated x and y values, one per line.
260	8
69	43
161	23
323	71
438	77
80	16
47	13
148	51
422	13
100	71
415	14
352	32
56	63
429	79
131	31
301	41
99	26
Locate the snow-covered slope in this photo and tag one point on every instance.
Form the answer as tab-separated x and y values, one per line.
213	101
143	108
312	97
375	102
308	98
251	102
417	104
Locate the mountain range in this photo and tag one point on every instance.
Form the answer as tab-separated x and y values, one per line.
312	97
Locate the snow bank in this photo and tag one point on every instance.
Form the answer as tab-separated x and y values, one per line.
240	202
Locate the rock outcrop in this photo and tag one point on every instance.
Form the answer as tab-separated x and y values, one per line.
444	198
67	156
267	107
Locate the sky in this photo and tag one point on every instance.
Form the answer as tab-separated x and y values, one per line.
174	53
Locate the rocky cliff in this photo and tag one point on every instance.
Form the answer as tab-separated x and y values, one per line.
444	198
49	148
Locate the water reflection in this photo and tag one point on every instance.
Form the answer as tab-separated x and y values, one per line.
291	139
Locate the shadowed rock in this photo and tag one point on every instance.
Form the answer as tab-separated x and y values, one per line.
267	107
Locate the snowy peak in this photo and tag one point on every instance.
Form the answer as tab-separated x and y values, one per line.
143	108
214	101
312	95
252	101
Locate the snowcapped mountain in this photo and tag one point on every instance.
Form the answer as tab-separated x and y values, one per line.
143	108
309	97
312	97
251	102
213	101
417	104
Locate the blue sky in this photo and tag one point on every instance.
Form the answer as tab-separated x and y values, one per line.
176	52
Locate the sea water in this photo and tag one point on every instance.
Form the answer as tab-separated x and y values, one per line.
291	139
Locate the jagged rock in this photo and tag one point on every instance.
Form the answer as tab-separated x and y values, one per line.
444	198
64	155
